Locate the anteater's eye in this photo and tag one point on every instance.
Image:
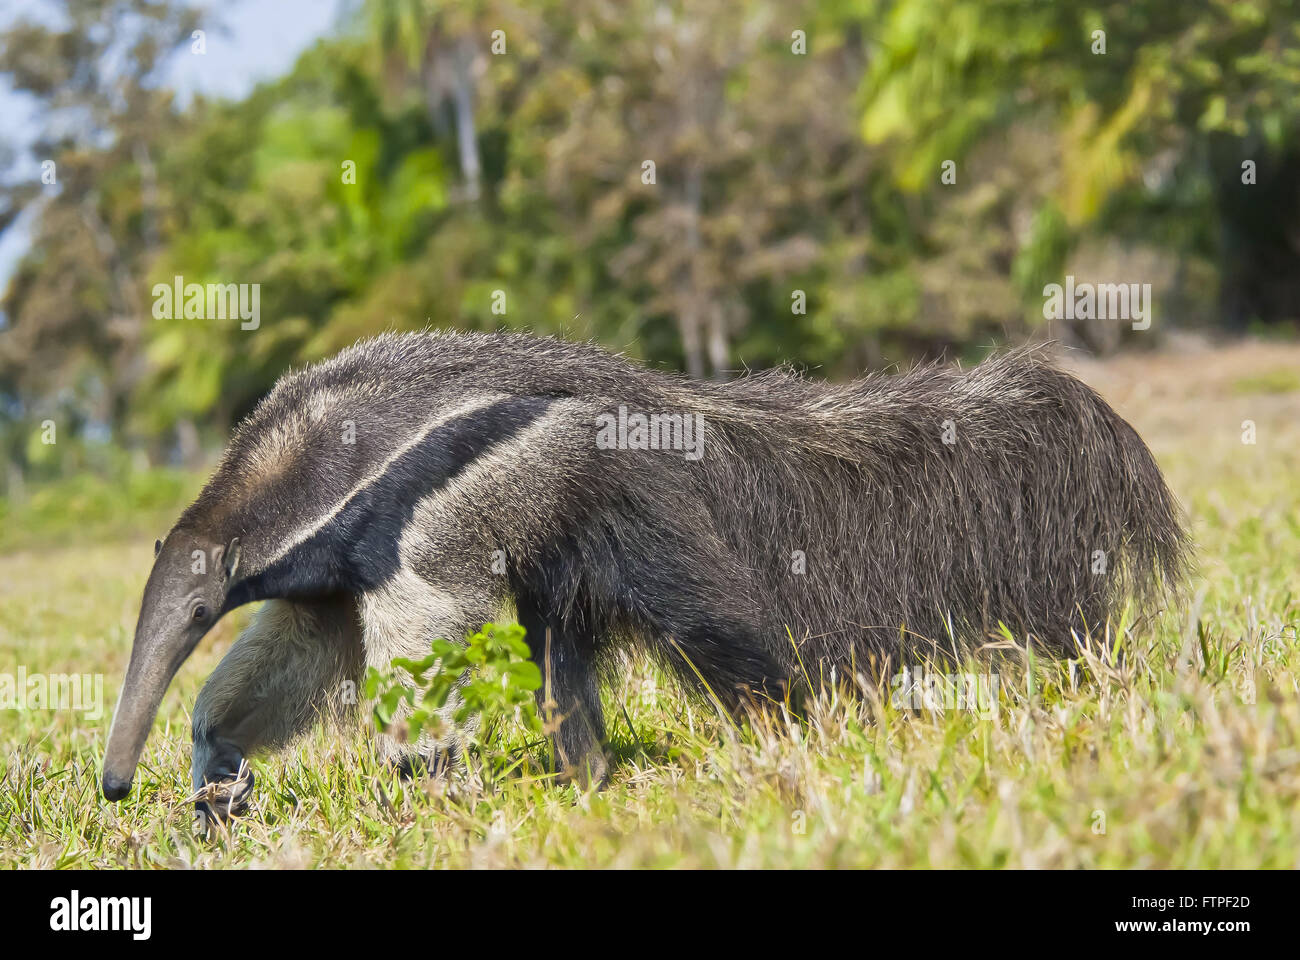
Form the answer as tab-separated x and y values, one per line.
200	612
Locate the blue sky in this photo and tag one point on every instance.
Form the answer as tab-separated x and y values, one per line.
261	40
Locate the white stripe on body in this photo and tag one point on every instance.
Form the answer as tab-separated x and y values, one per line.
302	534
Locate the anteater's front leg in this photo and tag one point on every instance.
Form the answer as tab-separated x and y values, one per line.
296	662
402	618
564	648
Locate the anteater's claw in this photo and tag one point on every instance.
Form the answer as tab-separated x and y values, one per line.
221	801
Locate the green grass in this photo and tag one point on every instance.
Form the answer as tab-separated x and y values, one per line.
1179	749
1269	381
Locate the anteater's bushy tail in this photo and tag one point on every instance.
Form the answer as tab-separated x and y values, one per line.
1095	526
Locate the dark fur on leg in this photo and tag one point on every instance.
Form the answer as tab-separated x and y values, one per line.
563	646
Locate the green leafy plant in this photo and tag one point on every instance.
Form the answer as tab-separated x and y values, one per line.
489	678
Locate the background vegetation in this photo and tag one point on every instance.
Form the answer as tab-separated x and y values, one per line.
798	146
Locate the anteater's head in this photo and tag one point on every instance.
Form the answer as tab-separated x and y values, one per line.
186	594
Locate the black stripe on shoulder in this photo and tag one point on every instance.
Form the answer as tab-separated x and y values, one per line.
358	549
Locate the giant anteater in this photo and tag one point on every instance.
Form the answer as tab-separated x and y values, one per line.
746	533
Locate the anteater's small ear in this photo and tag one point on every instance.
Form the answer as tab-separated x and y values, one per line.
231	558
157	548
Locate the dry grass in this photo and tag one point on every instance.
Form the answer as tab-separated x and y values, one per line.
1174	745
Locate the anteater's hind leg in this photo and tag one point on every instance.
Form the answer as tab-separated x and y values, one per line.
296	662
698	608
564	648
724	655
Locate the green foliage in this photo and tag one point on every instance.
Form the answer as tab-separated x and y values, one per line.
476	692
91	506
1115	128
1040	260
402	173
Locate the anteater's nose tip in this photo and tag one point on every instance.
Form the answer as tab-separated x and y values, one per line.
116	788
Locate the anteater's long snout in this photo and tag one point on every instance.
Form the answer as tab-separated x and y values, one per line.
150	672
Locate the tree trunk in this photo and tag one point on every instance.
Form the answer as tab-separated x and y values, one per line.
466	134
15	487
187	443
719	350
689	318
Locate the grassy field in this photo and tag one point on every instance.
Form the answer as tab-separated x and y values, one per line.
1173	746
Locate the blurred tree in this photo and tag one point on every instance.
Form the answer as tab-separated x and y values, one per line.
307	189
441	48
703	159
841	183
1151	108
75	312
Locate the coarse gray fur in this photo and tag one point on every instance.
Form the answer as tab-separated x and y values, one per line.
416	485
